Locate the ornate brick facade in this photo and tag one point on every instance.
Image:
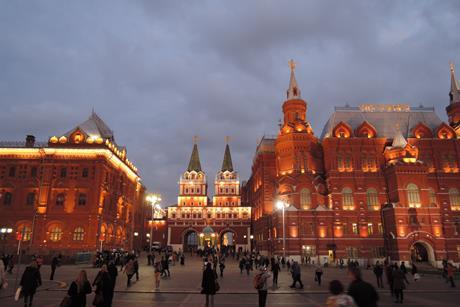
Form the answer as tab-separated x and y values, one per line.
77	192
382	180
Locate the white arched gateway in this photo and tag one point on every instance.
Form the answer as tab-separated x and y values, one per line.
422	252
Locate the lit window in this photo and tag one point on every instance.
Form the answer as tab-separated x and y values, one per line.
79	234
25	232
60	199
355	228
372	199
347	199
370	229
454	198
432	195
413	196
305	199
55	233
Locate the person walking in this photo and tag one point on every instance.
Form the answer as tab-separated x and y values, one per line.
363	293
3	283
113	273
182	259
378	271
129	270
209	285
295	273
318	274
275	270
30	281
398	284
136	268
55	262
450	274
78	290
338	298
248	266
104	291
222	266
260	283
157	269
414	272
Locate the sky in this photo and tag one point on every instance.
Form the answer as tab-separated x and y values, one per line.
160	72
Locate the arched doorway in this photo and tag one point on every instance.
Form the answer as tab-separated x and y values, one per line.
190	241
227	242
422	252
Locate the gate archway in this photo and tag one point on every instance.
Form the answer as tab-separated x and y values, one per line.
227	241
190	241
422	252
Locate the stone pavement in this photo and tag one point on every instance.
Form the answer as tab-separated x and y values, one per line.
183	288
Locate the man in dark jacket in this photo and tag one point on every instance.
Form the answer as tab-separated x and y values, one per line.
378	271
54	264
362	292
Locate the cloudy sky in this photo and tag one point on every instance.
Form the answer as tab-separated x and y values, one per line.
159	74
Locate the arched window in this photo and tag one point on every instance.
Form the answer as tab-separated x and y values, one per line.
7	198
55	233
454	198
372	199
347	199
413	196
305	199
25	232
79	234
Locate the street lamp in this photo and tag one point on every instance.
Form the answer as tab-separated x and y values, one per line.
282	205
154	200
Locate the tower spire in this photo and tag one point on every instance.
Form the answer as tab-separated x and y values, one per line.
227	164
194	164
454	88
293	91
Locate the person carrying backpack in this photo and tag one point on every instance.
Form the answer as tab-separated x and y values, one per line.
260	284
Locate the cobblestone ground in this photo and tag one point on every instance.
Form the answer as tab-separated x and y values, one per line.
182	288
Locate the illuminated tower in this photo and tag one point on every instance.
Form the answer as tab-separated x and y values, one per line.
227	184
192	184
453	109
297	149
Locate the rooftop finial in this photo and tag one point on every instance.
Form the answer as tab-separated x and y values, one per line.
293	91
195	139
227	139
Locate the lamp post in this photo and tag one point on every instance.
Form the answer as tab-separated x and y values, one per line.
282	205
154	200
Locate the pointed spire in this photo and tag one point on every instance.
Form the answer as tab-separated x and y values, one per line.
194	164
293	91
398	140
227	164
454	87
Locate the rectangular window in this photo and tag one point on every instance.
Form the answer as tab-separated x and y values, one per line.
81	199
63	172
355	228
12	171
33	172
30	201
84	173
209	215
352	252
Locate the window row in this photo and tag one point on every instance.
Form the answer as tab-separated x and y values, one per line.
54	233
32	196
23	172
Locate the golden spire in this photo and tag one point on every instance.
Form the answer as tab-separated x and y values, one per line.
293	91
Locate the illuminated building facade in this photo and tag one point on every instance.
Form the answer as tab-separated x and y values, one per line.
196	223
77	192
382	180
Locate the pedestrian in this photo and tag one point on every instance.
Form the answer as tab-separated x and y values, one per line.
295	273
260	283
318	274
3	283
55	262
389	275
241	264
136	268
129	270
157	269
288	265
209	285
275	270
450	274
378	271
248	266
283	262
103	285
78	290
338	298
221	267
149	258
398	284
414	272
113	273
30	281
363	293
182	259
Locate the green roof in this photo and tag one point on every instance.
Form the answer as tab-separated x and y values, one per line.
227	164
194	164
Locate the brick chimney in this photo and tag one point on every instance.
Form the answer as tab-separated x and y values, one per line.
30	141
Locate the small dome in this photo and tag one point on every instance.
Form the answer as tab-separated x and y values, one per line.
208	230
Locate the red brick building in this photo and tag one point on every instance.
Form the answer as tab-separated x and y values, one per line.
196	223
382	180
77	192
